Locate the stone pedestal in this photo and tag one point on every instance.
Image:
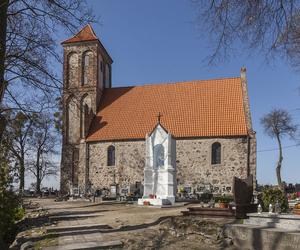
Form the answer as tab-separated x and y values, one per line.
157	202
283	221
160	168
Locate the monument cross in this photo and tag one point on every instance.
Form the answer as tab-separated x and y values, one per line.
207	173
114	176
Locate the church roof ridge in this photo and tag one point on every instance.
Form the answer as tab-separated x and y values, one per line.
175	83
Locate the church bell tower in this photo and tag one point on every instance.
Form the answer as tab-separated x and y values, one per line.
86	73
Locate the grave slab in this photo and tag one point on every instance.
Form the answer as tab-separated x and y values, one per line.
87	245
284	221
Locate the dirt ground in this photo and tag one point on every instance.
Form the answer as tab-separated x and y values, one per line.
111	213
135	226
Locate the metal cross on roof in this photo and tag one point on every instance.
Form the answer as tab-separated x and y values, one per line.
158	117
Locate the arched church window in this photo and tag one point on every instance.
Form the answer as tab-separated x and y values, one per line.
72	126
85	115
159	156
111	156
86	60
72	69
107	76
101	66
216	153
86	66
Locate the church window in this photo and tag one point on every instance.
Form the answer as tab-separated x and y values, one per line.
85	115
100	79
216	153
107	76
101	66
72	69
72	120
111	156
86	63
86	60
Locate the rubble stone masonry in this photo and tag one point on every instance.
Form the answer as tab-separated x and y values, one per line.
193	160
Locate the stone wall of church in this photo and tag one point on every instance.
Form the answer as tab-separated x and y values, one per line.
66	168
129	163
193	162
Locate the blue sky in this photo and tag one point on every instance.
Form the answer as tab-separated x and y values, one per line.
158	41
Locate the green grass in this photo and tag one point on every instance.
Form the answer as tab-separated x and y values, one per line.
48	241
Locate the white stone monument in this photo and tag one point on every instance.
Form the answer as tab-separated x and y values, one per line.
160	168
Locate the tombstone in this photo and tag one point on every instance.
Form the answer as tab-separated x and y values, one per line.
137	189
124	191
160	168
76	191
200	188
243	190
188	189
207	187
243	194
216	189
113	190
70	188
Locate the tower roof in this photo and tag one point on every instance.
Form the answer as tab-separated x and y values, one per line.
85	34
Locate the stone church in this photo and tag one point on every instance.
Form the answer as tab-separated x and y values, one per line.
104	127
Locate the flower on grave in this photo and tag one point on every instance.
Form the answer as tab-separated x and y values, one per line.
181	189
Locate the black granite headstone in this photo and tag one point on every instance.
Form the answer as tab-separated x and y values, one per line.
243	190
243	194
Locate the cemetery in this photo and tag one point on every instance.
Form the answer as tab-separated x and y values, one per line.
235	217
131	224
146	138
160	213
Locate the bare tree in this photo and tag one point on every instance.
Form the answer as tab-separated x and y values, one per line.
46	168
3	31
42	149
28	47
277	124
18	132
270	26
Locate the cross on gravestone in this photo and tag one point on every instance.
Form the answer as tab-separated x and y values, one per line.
114	176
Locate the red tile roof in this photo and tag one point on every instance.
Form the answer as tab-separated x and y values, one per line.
86	34
208	108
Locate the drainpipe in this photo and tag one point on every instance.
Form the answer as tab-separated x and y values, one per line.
87	171
248	154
